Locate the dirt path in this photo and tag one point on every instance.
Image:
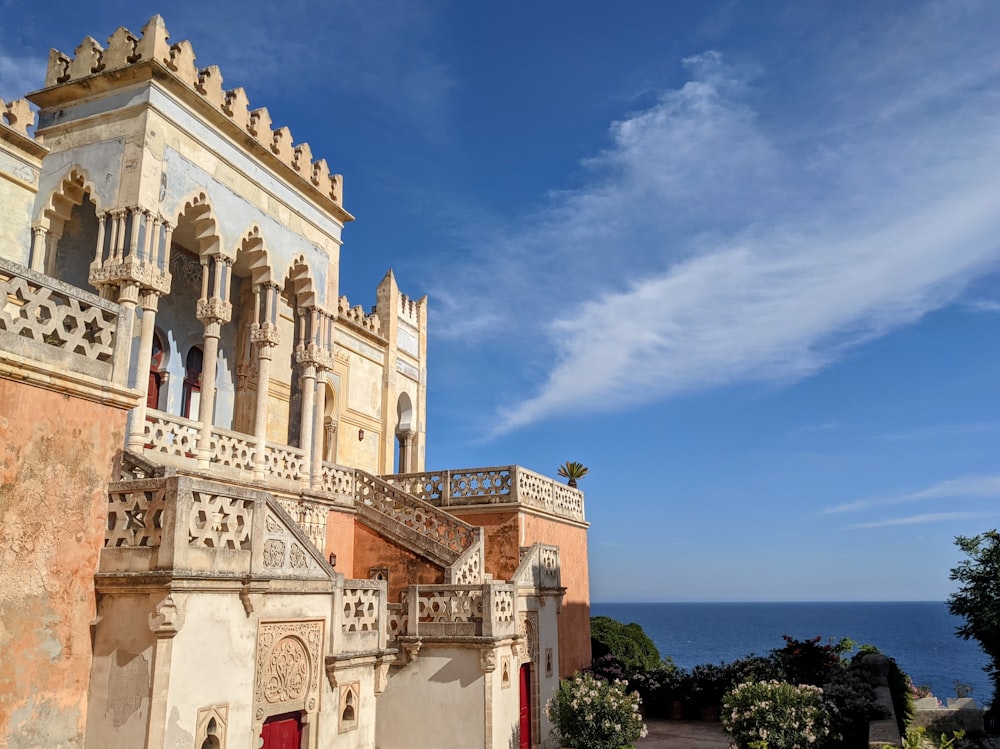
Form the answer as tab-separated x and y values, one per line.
683	734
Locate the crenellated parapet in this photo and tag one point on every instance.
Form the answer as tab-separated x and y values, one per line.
126	49
17	115
411	310
357	316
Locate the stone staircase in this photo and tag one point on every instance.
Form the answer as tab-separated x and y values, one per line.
421	527
399	516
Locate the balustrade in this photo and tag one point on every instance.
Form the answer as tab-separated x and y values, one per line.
87	330
415	514
461	610
493	486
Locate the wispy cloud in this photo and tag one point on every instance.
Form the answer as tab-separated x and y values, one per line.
708	245
966	487
938	431
19	75
933	517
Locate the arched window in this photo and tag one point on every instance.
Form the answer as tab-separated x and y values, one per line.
192	383
155	374
404	434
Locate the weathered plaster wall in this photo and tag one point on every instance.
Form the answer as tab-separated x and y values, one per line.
437	701
18	182
507	532
501	540
58	453
405	567
574	621
122	672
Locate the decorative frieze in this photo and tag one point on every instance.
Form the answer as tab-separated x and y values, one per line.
288	667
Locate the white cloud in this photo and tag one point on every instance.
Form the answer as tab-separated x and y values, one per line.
965	487
711	247
933	517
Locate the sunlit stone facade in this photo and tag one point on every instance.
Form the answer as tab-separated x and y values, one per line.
218	529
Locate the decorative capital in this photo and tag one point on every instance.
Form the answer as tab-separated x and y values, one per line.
265	335
214	310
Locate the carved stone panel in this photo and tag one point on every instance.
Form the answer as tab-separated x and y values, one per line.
283	553
288	667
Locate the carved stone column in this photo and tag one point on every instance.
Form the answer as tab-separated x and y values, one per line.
405	450
264	335
214	311
308	356
39	243
319	410
137	424
330	454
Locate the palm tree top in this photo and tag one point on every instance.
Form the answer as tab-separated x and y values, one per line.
572	470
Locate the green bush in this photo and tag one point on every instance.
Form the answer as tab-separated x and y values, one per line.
627	643
590	713
852	704
775	715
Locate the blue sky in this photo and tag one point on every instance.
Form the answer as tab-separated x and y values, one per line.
742	259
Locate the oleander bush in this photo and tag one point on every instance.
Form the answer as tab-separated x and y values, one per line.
775	715
588	712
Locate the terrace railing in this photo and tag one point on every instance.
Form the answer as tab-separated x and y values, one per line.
57	330
497	485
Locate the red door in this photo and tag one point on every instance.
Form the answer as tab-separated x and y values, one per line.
282	732
525	706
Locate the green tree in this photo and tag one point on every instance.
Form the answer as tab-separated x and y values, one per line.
627	643
977	599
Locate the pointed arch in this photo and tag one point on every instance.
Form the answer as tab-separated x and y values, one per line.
196	228
253	257
71	192
298	281
75	203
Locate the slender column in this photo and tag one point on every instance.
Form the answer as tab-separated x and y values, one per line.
265	336
405	448
331	442
306	424
137	426
306	354
99	249
132	221
39	237
213	312
319	411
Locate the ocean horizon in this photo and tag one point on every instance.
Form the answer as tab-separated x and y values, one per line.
919	635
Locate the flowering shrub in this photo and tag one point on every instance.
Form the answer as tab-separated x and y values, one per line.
776	715
590	713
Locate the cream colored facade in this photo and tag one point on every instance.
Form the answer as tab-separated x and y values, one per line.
235	452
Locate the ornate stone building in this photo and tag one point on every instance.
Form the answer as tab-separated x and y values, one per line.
217	529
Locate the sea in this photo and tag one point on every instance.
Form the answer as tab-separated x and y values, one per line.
920	636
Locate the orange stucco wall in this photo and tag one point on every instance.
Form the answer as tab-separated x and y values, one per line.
58	456
340	540
506	532
500	540
574	620
405	567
